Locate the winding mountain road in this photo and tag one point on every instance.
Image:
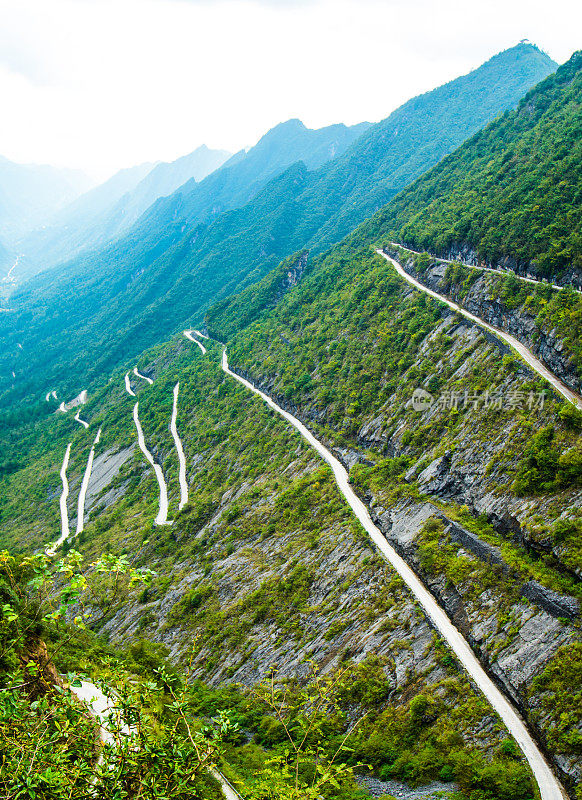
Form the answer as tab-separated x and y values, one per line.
143	377
502	272
188	335
522	350
180	451
549	786
81	421
128	388
101	707
162	516
85	485
65	531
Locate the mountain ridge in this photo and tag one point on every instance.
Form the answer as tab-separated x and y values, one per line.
160	263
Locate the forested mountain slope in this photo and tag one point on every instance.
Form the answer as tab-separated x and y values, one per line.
265	565
418	134
161	276
480	491
69	226
345	350
347	347
391	153
241	178
511	195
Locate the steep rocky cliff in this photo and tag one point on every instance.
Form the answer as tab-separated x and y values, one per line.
483	297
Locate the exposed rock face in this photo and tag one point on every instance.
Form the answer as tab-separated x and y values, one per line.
466	254
436	476
477	546
371	435
481	302
555	604
106	467
513	653
46	677
293	275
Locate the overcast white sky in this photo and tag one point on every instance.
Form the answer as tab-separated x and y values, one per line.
102	84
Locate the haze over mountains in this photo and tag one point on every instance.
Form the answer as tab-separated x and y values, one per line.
31	193
295	187
105	212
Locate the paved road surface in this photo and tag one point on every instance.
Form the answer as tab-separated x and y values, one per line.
523	351
143	377
502	272
550	788
180	451
85	486
188	335
162	517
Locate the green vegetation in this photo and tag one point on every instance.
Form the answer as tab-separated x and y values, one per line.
544	469
49	746
555	313
559	687
511	192
265	566
77	323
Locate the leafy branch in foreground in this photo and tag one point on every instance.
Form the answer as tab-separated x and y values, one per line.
306	768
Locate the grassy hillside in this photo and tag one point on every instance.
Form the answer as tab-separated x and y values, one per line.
348	346
265	566
265	571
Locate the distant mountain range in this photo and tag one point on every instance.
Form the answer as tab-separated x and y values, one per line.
212	238
30	194
510	195
106	211
378	597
